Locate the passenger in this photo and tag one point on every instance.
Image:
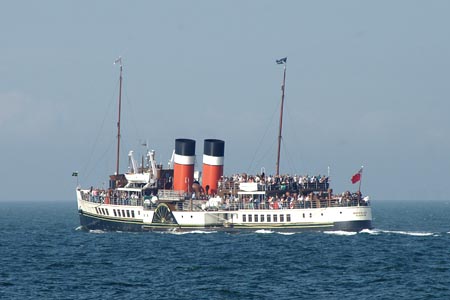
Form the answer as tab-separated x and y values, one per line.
257	203
292	204
276	205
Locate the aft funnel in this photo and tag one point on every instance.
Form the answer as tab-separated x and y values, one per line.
213	158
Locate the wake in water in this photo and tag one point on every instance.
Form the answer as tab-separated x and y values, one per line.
339	232
410	233
187	232
97	231
264	231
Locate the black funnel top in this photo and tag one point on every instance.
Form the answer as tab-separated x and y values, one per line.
214	147
185	147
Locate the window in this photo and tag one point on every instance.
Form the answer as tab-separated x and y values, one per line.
123	213
275	218
304	216
288	217
118	212
115	214
250	218
244	218
132	213
96	209
107	212
256	218
310	215
128	213
281	218
268	218
262	218
103	211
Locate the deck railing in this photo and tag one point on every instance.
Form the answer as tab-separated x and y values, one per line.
231	186
226	204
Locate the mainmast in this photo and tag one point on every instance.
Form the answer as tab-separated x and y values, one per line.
281	61
119	61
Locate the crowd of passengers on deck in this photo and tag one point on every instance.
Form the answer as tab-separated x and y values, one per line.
277	181
115	197
296	201
284	201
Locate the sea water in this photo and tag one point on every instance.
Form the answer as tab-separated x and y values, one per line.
44	255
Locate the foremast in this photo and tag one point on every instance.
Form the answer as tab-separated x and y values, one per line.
119	61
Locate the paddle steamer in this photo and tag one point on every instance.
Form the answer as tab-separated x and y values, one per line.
149	197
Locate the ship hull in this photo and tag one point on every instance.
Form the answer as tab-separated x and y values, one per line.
93	222
163	217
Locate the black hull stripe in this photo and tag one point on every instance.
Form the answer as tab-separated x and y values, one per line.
106	218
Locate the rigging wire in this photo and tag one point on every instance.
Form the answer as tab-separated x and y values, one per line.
88	168
295	138
97	138
286	153
262	139
132	114
102	158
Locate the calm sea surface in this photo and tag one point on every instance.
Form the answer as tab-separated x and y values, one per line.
43	255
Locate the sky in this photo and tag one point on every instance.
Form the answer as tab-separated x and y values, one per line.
367	85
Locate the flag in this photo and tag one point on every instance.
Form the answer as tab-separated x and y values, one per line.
281	60
75	174
357	176
118	60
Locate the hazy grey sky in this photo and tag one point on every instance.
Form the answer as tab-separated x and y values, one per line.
367	84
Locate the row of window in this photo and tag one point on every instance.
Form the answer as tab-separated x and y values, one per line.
117	212
269	218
